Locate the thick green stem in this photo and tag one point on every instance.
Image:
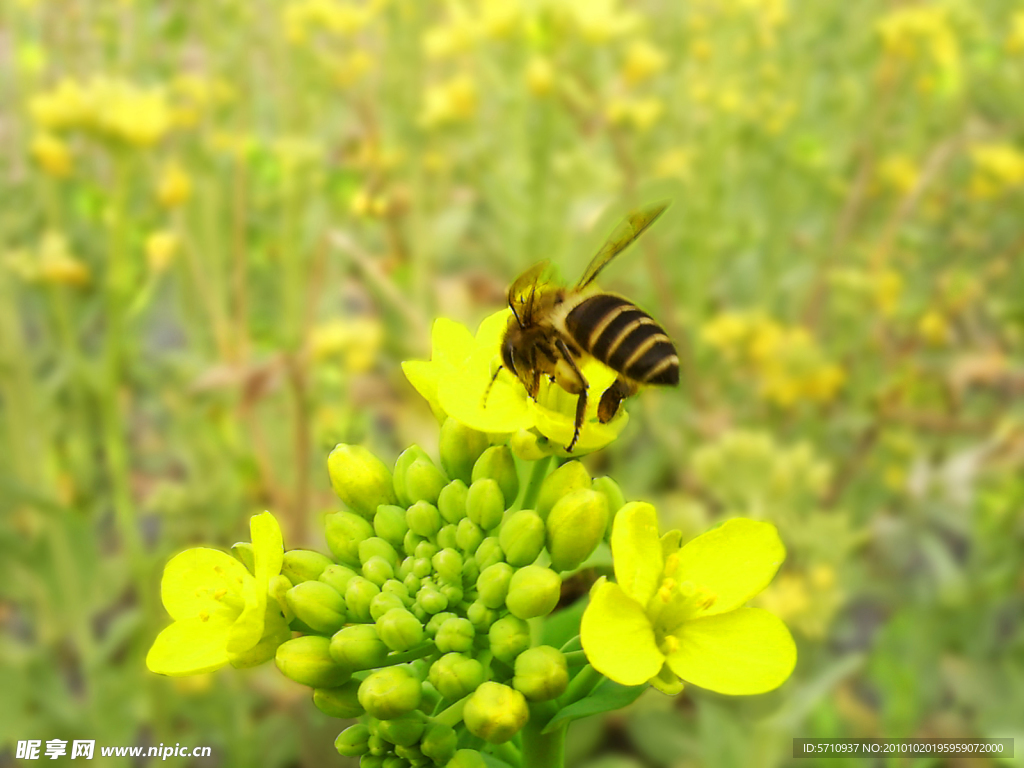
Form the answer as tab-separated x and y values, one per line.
586	680
543	750
537	475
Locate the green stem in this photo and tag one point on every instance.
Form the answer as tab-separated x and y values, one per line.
572	644
537	475
453	715
508	753
575	658
543	750
411	655
581	686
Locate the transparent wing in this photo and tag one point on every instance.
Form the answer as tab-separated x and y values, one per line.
628	231
524	289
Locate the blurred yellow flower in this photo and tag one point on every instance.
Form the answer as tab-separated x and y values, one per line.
64	106
599	21
356	340
352	67
161	247
174	186
52	154
1015	40
454	100
934	328
898	173
924	33
640	114
998	168
304	17
452	38
674	163
643	61
806	601
57	265
540	76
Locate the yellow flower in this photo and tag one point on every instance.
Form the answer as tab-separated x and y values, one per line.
57	265
356	340
52	154
898	173
1015	40
643	61
924	33
452	101
456	378
997	169
674	164
220	610
61	108
540	76
600	21
639	113
174	186
676	614
161	247
934	328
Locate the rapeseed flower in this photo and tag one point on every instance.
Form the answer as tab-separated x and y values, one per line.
456	379
52	154
452	101
998	168
676	613
220	609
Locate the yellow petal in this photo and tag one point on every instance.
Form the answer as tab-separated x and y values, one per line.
267	545
197	581
733	562
423	376
637	550
450	342
461	393
743	652
492	330
190	647
617	636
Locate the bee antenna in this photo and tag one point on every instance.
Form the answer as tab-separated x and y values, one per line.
517	318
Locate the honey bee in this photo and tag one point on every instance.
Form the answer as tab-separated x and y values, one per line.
553	330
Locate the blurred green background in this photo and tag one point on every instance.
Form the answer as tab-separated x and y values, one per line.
223	224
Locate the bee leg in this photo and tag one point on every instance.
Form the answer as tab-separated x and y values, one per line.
487	392
582	386
612	397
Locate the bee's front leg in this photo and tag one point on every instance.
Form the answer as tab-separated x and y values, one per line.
576	385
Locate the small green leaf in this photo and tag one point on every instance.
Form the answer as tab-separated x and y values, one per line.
608	696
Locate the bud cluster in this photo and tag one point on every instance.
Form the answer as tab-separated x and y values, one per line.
418	623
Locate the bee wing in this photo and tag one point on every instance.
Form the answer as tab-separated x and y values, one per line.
523	290
627	231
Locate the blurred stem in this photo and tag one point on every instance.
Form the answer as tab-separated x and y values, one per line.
537	475
543	750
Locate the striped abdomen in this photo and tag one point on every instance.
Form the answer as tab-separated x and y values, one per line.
624	338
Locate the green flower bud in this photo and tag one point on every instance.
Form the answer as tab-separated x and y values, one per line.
411	757
375	546
497	464
426	549
372	760
522	537
394	761
493	584
495	712
358	595
447	537
345	530
508	637
383	603
467	758
460	448
424	481
576	525
338	576
303	565
403	731
390	692
533	592
611	492
277	589
455	675
358	647
468	535
431	600
541	673
567	478
340	702
451	502
400	630
378	570
423	519
456	635
405	460
317	605
437	620
353	741
412	583
410	542
398	589
448	565
360	479
470	571
246	555
422	567
485	504
389	524
481	617
307	660
439	743
527	445
488	553
453	592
